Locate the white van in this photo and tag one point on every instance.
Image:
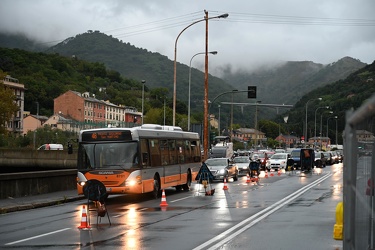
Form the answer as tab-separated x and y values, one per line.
51	147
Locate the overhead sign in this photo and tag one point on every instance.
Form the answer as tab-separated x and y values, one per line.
251	91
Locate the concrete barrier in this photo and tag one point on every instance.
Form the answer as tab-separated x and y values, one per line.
32	183
36	159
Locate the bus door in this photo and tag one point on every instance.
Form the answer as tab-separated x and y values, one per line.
169	157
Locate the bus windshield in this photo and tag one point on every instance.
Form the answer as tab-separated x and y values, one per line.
108	155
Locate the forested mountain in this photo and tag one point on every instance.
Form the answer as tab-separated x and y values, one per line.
340	96
288	82
157	70
46	76
121	66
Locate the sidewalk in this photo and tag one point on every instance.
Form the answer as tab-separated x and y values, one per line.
29	202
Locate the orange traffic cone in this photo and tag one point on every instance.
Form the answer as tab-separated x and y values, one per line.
225	184
163	202
84	223
248	179
279	172
256	178
266	174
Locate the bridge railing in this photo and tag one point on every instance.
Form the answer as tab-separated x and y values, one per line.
359	177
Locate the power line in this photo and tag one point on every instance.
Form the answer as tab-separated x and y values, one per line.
235	17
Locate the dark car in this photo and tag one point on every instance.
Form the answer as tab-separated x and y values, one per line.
222	168
329	159
295	155
320	160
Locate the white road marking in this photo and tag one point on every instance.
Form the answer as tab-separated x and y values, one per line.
35	237
226	236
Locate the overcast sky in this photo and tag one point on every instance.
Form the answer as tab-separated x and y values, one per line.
255	32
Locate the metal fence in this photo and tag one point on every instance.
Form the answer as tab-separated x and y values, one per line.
359	177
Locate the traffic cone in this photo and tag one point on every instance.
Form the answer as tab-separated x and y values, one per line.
266	174
271	172
163	202
279	172
248	179
256	178
225	184
84	223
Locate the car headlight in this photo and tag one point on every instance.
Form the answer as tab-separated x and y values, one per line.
221	171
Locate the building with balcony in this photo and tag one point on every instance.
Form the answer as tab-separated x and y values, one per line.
86	109
15	125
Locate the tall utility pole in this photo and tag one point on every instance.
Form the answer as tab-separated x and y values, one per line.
205	106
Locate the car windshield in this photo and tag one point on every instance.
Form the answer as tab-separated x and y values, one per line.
278	156
242	160
296	153
217	162
261	155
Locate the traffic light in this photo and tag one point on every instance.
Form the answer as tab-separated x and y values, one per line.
212	136
70	148
251	91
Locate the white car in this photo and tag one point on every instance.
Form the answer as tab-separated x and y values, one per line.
242	163
277	161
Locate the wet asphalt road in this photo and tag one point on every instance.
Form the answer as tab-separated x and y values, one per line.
280	212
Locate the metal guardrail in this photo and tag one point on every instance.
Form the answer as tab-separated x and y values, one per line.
359	178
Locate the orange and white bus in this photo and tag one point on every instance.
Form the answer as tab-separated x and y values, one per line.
145	159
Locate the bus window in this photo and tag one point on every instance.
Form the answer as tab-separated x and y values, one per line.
155	153
187	151
195	148
172	151
144	153
180	151
164	152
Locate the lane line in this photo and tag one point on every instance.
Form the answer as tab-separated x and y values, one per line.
35	237
227	235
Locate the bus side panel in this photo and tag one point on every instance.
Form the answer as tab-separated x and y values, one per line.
172	174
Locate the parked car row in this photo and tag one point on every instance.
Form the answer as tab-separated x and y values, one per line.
225	168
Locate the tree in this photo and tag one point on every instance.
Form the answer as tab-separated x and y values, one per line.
8	105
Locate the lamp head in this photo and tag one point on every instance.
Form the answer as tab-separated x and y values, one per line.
223	15
213	52
319	98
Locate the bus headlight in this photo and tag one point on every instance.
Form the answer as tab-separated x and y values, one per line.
131	181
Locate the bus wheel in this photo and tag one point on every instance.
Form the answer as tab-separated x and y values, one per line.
186	186
156	193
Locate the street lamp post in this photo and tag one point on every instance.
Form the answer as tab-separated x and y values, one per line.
175	57
336	133
143	97
321	125
256	123
200	53
328	120
205	146
219	120
326	107
306	117
231	115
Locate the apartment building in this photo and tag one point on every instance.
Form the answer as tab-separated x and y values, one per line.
86	108
15	125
